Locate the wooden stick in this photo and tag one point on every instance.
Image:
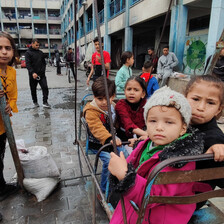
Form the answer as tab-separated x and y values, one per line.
11	139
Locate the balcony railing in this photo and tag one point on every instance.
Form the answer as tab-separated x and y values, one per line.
89	26
134	1
101	16
54	31
40	31
11	30
116	7
42	17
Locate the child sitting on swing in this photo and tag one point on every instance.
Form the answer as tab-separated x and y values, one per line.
96	115
167	114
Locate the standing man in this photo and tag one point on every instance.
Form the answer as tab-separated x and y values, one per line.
69	58
96	69
166	64
36	65
152	58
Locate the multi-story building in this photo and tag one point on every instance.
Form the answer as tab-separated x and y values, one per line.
191	30
29	19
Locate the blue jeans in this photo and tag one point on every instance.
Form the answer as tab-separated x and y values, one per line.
105	158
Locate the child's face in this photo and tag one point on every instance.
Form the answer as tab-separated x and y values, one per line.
204	99
164	125
101	102
130	61
134	92
6	51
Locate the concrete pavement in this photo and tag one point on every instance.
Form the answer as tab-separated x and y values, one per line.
55	129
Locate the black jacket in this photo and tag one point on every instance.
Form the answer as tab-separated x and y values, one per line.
35	62
213	135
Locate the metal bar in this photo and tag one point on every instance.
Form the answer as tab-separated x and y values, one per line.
189	176
105	77
187	199
75	43
103	202
11	139
161	166
164	26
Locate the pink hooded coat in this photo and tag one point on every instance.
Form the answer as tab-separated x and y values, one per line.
155	213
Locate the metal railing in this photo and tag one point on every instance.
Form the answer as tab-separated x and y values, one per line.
116	7
134	1
89	26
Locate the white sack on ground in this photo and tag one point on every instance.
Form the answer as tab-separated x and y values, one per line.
41	188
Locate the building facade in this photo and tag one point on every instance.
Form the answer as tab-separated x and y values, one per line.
191	31
29	19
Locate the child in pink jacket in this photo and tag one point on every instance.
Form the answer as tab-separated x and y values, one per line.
167	115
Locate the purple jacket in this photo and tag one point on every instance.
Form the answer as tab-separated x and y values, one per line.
155	213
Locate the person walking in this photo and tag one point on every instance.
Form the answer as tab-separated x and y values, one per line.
36	65
69	58
166	64
57	56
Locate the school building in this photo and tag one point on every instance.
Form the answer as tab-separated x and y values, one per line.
28	19
191	30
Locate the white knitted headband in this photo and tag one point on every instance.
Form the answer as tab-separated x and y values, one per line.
164	97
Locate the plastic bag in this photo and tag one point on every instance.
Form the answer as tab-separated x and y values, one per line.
41	188
36	161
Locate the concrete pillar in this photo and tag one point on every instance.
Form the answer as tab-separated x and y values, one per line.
17	23
47	25
216	25
2	27
85	20
178	27
94	19
31	12
107	39
128	38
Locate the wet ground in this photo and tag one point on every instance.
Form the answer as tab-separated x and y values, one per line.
55	129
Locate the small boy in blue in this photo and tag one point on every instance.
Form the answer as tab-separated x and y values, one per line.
152	83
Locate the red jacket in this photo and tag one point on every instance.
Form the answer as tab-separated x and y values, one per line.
129	119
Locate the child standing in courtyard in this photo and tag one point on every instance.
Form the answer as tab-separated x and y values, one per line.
8	79
125	72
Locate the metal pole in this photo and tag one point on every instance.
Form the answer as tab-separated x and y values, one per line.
108	100
75	54
105	77
11	139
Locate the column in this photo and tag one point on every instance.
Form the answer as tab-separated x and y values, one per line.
48	37
31	12
17	23
107	38
216	26
2	27
178	26
128	36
